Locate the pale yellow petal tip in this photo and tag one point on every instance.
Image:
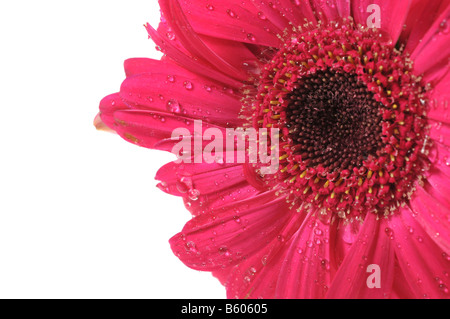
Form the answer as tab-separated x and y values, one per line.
101	126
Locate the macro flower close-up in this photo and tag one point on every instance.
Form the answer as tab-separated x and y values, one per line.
352	96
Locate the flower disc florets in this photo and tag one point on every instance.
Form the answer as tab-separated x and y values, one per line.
351	119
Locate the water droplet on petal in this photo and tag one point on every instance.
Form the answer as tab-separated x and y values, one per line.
170	35
444	27
173	106
389	232
193	194
190	246
184	184
210	7
231	13
188	85
251	37
446	160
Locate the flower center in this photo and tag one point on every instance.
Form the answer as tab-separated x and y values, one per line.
351	119
334	120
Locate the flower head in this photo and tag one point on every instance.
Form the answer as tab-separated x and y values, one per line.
356	91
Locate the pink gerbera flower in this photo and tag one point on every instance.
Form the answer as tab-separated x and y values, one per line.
358	89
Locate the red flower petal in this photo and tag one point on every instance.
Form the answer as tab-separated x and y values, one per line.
259	275
189	62
230	20
441	158
153	129
373	246
170	89
421	16
333	10
393	14
306	268
433	213
433	51
174	14
205	186
109	105
423	263
226	236
255	277
439	109
440	132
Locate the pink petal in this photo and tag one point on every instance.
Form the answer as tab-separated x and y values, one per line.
401	288
439	185
393	15
439	108
440	132
424	265
235	53
433	213
258	276
190	40
109	105
205	186
273	12
231	20
333	10
188	62
154	129
228	235
342	238
431	55
306	267
421	16
373	247
253	278
287	11
440	158
176	91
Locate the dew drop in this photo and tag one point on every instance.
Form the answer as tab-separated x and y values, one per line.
184	184
171	78
389	232
170	35
190	246
262	16
446	160
224	251
231	13
251	37
188	85
264	260
173	106
444	27
210	7
193	194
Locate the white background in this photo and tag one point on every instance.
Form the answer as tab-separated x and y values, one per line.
80	216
